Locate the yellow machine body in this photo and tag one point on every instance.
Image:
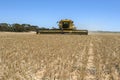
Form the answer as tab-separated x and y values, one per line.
66	26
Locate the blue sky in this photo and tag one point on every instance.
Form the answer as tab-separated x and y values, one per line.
86	14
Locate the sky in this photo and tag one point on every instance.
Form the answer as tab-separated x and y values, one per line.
87	14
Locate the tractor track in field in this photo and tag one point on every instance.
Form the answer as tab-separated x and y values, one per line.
90	68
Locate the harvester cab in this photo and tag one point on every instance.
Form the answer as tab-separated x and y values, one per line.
66	24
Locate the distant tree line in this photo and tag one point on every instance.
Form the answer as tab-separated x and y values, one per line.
17	27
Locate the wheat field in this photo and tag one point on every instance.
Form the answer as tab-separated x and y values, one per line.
27	56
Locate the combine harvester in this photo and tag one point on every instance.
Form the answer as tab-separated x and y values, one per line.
66	26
